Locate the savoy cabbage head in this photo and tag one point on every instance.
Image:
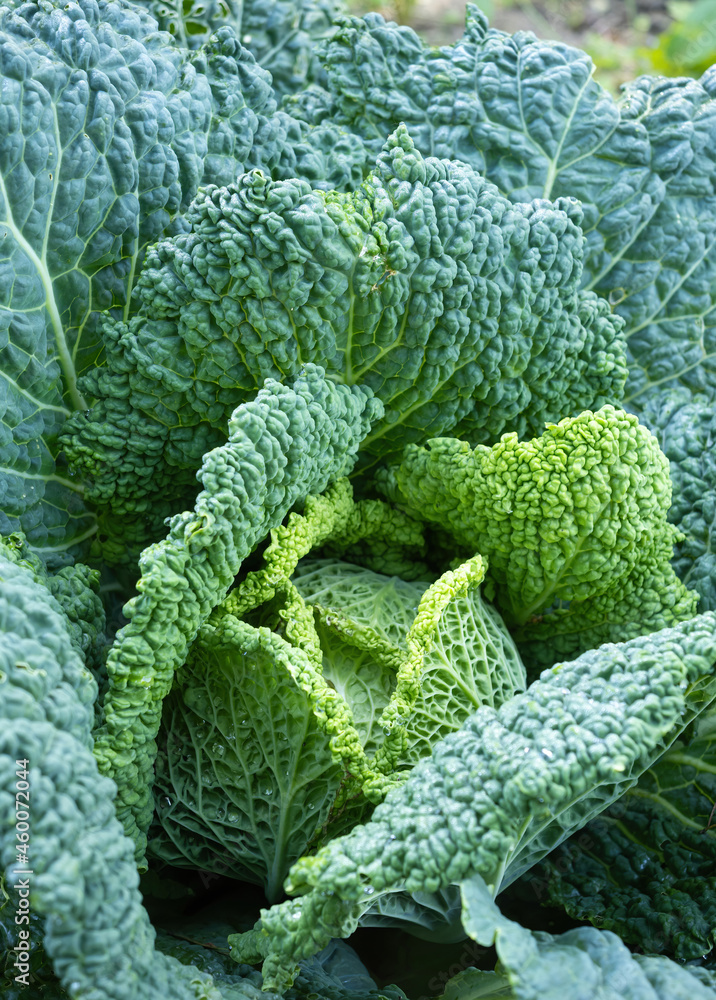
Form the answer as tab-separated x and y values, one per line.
276	736
356	499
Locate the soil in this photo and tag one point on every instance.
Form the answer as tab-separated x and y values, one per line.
440	21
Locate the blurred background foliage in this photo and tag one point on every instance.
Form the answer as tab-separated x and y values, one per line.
624	37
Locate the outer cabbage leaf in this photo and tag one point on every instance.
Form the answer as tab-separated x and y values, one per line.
432	916
582	964
86	183
285	444
45	984
424	284
645	867
107	129
281	34
573	523
76	591
429	916
502	792
529	116
79	858
78	862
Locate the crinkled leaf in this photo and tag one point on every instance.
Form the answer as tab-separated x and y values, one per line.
78	856
245	773
573	524
502	792
279	733
281	34
425	284
469	660
107	129
529	116
685	424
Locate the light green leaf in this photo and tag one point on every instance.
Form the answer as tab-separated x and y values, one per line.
245	774
573	523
